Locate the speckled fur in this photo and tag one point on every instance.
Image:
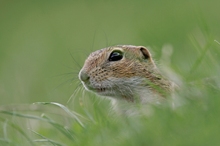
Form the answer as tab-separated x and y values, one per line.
134	77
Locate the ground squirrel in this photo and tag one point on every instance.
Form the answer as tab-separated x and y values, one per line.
124	72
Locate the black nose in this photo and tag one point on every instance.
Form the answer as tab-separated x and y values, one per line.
83	76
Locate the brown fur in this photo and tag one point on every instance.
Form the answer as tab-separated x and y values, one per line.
137	62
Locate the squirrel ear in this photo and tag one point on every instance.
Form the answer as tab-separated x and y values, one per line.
145	52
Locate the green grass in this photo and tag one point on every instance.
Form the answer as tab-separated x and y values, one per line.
44	44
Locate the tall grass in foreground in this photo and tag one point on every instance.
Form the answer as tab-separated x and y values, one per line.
194	121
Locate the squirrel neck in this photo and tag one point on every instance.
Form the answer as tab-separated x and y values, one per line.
157	83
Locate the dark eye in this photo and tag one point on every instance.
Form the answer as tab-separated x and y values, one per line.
115	56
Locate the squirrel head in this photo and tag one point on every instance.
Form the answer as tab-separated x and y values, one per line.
121	72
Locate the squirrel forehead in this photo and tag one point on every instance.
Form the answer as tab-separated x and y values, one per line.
107	51
101	56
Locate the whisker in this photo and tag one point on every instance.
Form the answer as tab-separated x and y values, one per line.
74	61
83	96
74	79
93	41
63	83
75	92
67	66
64	74
106	39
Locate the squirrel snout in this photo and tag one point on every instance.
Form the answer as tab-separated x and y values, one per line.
83	76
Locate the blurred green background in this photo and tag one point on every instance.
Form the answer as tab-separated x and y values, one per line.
43	45
38	38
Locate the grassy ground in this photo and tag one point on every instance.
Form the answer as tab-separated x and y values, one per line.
44	44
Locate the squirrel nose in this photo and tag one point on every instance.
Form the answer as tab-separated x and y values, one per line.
83	76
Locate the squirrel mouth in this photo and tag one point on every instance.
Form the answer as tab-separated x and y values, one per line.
96	89
100	90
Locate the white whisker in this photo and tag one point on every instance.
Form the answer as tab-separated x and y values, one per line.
74	93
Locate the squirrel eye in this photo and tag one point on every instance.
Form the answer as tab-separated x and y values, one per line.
115	56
